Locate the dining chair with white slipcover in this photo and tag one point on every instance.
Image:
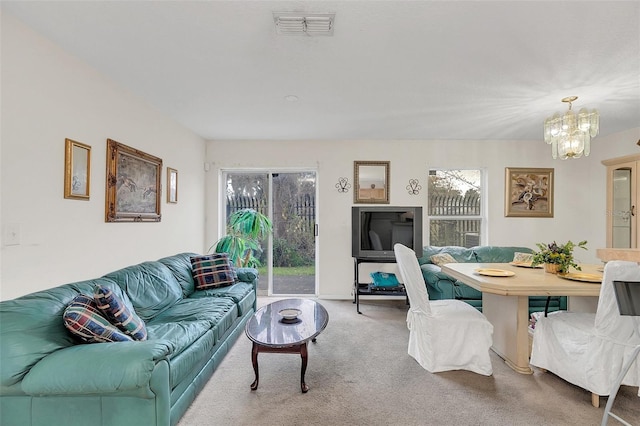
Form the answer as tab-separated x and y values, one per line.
589	350
443	334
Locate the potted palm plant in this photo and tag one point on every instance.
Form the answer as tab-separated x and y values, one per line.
245	230
557	258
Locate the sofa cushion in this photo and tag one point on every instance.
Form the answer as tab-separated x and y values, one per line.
460	254
109	368
194	326
151	287
189	319
442	258
212	271
82	318
118	313
242	293
180	267
496	254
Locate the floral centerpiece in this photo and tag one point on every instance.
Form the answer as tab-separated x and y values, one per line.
559	255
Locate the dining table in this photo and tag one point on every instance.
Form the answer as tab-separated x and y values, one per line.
506	288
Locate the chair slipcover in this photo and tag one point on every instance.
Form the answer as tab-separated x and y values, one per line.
587	349
443	334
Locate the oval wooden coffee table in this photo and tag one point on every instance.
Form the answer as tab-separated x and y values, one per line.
270	332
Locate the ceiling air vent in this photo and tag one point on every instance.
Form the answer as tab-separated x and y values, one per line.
311	24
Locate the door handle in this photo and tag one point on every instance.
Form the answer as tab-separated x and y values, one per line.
633	210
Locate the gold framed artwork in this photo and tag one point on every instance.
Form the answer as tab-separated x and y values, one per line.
133	185
371	182
528	192
77	170
172	185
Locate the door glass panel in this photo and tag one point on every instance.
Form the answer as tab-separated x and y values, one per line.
621	214
294	233
251	190
287	259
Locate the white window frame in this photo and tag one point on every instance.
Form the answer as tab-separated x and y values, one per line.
483	205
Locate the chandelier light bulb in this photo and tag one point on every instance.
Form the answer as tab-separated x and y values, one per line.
570	134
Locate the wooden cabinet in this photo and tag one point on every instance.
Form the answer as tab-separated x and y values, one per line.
623	186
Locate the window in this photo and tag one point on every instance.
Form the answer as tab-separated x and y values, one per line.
456	212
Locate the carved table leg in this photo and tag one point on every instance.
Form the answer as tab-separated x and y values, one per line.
304	355
254	361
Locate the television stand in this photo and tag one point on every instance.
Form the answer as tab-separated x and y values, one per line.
365	289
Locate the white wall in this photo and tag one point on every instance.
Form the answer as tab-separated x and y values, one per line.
47	96
579	188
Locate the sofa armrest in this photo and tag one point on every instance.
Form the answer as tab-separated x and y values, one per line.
97	368
439	284
248	275
433	273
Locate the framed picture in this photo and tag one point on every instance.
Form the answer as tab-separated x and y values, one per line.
133	185
77	170
528	192
172	185
371	182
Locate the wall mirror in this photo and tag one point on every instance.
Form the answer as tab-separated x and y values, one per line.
371	182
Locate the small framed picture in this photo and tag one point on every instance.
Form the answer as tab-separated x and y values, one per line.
77	170
528	192
172	185
371	182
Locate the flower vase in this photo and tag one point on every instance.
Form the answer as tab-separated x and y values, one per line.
551	268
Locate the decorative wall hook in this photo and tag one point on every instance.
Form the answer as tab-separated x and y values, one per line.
414	188
343	185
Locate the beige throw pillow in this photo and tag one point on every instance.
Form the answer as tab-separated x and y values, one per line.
442	258
519	257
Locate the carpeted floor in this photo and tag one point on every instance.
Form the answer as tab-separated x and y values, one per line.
359	373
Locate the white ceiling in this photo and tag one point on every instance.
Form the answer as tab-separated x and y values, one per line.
392	70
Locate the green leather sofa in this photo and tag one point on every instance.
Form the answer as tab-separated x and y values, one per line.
442	286
48	377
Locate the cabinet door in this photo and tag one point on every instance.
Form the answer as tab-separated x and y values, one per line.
622	187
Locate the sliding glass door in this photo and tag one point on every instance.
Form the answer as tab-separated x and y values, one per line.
289	199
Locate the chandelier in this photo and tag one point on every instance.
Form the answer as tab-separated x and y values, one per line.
570	134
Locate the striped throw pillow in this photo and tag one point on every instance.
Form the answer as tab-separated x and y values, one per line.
82	318
212	271
117	312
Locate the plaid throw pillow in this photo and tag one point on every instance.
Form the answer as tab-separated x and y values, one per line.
82	318
115	310
212	271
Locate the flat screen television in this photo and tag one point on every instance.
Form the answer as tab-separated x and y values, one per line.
375	230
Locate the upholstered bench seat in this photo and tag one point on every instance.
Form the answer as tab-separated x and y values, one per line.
442	286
